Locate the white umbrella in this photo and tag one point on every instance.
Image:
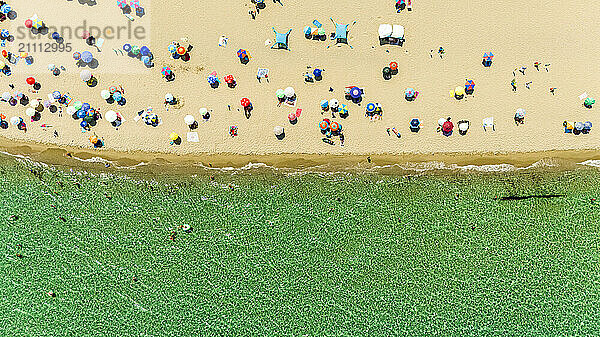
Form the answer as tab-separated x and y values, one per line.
34	103
189	119
289	92
203	111
30	112
105	94
71	110
85	75
278	130
520	113
51	67
6	95
169	97
463	126
15	120
441	121
111	116
334	103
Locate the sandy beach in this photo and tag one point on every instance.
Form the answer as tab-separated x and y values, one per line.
518	34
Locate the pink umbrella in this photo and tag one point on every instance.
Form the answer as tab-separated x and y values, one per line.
122	3
292	116
135	3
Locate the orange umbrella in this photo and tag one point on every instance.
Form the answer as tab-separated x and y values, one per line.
393	65
335	126
180	50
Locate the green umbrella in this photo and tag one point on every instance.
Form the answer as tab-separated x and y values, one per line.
589	101
279	93
77	105
135	50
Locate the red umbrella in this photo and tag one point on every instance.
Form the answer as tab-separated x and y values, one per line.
245	102
447	127
30	80
393	65
229	79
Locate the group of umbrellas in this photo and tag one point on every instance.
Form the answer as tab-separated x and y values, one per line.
113	95
85	57
143	53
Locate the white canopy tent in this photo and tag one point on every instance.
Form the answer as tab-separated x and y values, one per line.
389	34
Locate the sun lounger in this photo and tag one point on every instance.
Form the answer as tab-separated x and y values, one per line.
489	122
99	43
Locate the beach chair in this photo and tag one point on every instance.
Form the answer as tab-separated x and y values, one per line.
281	40
341	33
489	123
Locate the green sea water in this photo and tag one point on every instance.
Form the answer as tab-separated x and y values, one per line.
313	254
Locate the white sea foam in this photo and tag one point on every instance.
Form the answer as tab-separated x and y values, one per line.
591	162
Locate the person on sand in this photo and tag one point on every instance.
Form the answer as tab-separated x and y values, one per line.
552	91
441	51
252	14
527	84
513	83
522	70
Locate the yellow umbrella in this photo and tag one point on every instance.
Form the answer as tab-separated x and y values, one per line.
174	136
37	23
459	91
93	140
24	55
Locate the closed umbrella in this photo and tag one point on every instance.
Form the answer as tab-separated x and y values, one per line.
289	92
105	94
111	116
520	113
189	120
87	57
6	96
85	75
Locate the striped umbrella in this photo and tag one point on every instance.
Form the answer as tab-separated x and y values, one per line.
344	109
242	53
469	85
166	71
122	3
135	3
37	23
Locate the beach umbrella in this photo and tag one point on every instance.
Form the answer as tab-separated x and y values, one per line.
145	59
469	85
317	72
135	50
278	130
145	50
441	121
111	116
459	91
587	125
51	67
242	53
323	125
77	56
127	47
174	136
520	113
16	120
245	102
334	103
292	116
117	96
47	104
212	79
30	112
34	103
12	102
112	89
181	50
229	79
83	124
589	101
29	60
463	126
409	92
77	105
579	126
6	96
166	71
371	107
324	104
28	23
307	30
289	92
344	109
85	75
414	123
5	9
387	71
172	49
203	112
122	3
56	72
36	22
81	114
134	3
30	80
4	33
189	120
279	93
87	56
169	98
85	107
394	65
355	92
56	94
334	126
71	110
105	94
447	126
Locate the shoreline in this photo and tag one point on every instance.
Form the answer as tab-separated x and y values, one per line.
152	161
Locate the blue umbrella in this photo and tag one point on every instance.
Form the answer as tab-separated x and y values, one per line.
414	123
80	114
87	57
324	104
146	60
212	79
56	95
83	124
145	50
55	35
5	9
4	33
578	126
29	60
85	107
409	92
117	96
355	92
370	107
317	72
587	125
127	47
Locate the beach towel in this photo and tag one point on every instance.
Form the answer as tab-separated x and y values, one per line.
583	96
192	137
